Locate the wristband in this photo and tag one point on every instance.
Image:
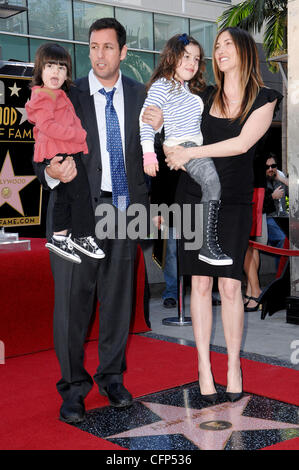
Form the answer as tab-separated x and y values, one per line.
149	158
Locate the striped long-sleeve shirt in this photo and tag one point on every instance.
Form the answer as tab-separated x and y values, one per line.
182	111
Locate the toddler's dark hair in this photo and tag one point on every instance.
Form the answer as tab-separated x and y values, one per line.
51	53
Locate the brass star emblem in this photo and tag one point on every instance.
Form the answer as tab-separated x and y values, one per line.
14	90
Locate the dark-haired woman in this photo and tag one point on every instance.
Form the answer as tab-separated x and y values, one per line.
238	112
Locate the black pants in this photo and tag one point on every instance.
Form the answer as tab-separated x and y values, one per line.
111	280
73	208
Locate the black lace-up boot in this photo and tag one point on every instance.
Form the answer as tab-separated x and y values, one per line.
211	252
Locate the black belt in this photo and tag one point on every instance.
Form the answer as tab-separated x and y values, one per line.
105	193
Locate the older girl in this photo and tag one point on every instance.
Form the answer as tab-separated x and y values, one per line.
174	87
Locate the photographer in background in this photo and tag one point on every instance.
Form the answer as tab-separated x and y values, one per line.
275	201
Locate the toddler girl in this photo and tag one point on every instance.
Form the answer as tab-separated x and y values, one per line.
58	132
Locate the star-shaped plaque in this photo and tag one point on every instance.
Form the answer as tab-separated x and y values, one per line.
11	185
209	428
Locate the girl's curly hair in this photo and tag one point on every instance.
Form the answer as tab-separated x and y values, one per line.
170	57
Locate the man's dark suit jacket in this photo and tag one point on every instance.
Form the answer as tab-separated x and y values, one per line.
134	96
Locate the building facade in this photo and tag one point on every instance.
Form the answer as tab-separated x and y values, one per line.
149	23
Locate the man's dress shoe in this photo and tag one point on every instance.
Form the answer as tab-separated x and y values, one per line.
72	411
117	394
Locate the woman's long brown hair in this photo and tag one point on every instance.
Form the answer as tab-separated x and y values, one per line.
170	58
251	79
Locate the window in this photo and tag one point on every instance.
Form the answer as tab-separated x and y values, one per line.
14	47
51	19
15	24
204	32
168	26
60	20
82	60
139	27
209	74
85	14
138	65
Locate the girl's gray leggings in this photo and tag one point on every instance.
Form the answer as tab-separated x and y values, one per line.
204	172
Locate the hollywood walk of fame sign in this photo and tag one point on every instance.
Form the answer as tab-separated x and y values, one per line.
20	191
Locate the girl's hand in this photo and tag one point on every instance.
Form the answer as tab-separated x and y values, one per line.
176	157
151	170
153	116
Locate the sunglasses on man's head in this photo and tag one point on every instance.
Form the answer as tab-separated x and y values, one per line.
274	165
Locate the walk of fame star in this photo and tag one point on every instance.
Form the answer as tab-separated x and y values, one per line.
24	115
14	90
209	428
11	185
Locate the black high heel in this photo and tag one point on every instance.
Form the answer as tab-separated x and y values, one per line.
257	307
247	301
210	398
233	397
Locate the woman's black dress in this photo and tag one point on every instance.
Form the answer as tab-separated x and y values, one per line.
236	178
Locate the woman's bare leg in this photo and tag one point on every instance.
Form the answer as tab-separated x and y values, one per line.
251	266
232	310
202	316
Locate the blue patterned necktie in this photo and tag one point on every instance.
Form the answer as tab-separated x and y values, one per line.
120	190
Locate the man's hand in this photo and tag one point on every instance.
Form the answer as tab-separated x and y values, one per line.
153	116
65	171
278	193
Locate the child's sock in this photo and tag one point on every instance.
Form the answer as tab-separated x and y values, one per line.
59	237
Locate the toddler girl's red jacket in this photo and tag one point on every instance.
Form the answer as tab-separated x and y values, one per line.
58	129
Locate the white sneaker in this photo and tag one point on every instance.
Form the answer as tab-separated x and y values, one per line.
88	246
62	247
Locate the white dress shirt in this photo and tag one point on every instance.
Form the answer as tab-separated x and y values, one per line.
100	104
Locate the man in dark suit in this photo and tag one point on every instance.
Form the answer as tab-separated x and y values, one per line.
111	279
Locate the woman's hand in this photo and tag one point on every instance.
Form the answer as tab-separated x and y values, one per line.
176	157
153	116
